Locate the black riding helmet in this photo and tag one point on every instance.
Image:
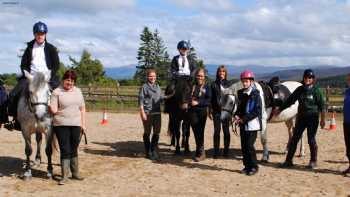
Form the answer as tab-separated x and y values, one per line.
309	73
183	45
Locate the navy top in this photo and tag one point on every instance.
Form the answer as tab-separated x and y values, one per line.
202	95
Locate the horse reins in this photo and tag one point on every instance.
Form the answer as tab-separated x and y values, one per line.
32	104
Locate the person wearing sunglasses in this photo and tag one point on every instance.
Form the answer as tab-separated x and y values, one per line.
311	107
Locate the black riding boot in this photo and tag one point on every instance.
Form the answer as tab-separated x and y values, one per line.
147	144
154	147
226	145
313	153
216	146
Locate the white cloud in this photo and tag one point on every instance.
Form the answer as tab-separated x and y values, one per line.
270	32
205	5
49	6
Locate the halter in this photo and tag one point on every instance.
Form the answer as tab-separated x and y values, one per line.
233	125
31	104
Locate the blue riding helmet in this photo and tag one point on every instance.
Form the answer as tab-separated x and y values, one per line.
40	27
183	45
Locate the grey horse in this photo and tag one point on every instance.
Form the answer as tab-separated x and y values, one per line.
34	117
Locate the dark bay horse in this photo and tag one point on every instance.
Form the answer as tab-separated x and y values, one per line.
177	107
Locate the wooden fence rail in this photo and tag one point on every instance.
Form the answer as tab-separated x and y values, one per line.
123	94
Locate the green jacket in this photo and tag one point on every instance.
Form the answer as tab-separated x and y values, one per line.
310	100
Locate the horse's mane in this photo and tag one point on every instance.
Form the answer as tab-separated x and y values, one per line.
183	89
234	87
38	82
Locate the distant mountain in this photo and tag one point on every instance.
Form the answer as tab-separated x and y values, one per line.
262	72
234	71
296	74
127	72
123	72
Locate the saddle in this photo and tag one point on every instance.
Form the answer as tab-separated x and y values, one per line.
275	93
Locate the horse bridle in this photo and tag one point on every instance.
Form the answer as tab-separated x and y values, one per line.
233	125
32	104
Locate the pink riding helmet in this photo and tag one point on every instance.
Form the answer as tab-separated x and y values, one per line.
247	74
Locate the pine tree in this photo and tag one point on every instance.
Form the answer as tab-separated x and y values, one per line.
144	54
152	54
193	55
161	57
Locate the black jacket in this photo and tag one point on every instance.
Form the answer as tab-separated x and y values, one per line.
216	94
174	67
203	96
52	61
249	106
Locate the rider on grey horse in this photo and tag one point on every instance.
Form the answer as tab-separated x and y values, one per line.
39	56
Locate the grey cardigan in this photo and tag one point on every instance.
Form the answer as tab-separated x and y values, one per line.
150	98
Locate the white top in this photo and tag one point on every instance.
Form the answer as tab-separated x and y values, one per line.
38	58
183	69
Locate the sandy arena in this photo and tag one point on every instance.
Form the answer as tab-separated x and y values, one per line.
113	164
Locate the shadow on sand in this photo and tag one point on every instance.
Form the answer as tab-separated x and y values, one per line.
135	149
13	167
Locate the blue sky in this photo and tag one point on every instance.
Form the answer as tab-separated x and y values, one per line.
235	32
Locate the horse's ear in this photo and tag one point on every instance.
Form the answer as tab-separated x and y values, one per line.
47	75
28	75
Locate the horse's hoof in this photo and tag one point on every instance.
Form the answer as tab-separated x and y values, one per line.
265	159
49	175
37	162
177	152
27	176
187	152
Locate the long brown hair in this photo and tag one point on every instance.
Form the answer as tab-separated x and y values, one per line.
221	67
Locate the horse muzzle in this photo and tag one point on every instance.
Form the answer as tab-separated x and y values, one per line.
225	116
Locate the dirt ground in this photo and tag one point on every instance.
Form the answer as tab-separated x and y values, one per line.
114	165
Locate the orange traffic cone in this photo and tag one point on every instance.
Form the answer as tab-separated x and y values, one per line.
333	124
104	118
